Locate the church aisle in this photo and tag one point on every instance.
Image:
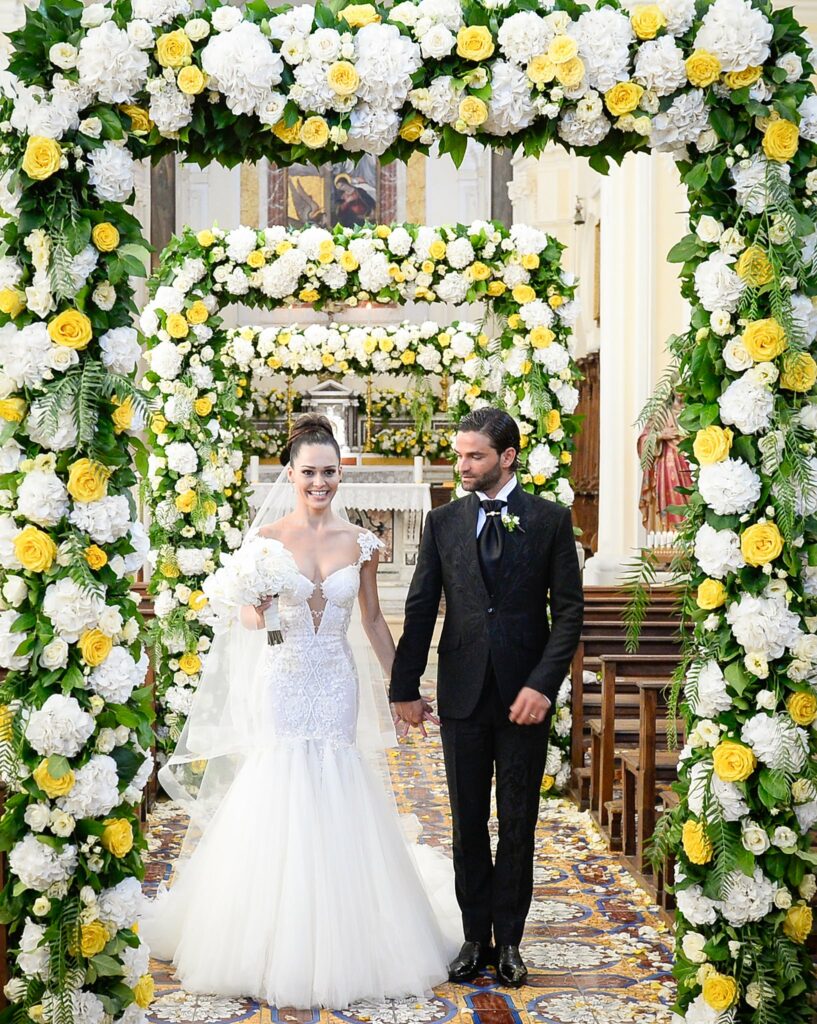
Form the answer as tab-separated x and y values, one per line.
596	952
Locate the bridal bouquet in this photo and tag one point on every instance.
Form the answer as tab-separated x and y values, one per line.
260	568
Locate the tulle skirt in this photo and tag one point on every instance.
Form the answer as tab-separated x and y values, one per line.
303	890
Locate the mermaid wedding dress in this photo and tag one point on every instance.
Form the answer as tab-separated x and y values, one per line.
302	889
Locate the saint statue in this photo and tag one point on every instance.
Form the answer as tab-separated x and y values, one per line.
665	470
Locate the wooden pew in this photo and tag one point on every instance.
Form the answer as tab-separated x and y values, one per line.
643	769
618	671
615	627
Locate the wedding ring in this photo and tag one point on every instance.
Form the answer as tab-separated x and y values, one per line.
531	715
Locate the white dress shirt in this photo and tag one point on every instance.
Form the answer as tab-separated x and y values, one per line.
501	496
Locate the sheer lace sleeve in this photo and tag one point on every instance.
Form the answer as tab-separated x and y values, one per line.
368	545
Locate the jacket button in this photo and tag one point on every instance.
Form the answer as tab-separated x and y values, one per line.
490	611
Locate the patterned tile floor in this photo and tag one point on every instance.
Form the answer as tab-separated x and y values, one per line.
596	951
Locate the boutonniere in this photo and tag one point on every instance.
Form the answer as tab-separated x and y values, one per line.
511	522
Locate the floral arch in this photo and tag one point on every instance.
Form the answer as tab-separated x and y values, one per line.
202	377
726	86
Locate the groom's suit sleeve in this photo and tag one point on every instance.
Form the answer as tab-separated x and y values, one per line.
566	611
422	605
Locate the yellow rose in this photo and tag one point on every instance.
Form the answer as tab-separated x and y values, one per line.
87	481
342	78
197	314
553	422
571	73
326	250
191	80
539	479
288	135
562	49
122	415
799	372
173	49
315	132
711	594
764	339
143	991
94	646
49	784
541	337
386	345
496	288
437	249
541	69
530	261
327	359
206	238
117	836
256	259
754	267
105	237
742	79
555	301
565	458
95	556
34	549
203	406
475	42
802	707
479	271
158	424
623	98
797	923
781	140
732	761
473	111
348	261
696	843
140	121
712	444
523	293
176	325
308	295
190	663
408	357
359	15
12	409
413	128
71	329
647	20
761	543
548	782
210	506
382	230
720	991
42	157
186	501
169	569
12	302
514	321
197	600
93	938
703	68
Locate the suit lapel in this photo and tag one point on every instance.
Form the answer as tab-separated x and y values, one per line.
515	542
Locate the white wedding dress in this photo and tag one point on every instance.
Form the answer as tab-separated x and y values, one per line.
302	890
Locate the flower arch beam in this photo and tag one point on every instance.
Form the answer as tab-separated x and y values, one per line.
726	87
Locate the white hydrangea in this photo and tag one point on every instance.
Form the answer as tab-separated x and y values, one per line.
105	520
737	33
749	177
110	65
659	66
39	866
707	695
42	498
729	487
683	122
717	284
95	791
695	907
746	406
121	905
24	354
510	108
10	641
542	461
111	172
181	457
776	741
70	609
34	955
604	36
243	67
120	349
118	676
60	726
524	36
750	899
718	551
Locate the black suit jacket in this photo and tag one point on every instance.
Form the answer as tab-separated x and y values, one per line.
539	571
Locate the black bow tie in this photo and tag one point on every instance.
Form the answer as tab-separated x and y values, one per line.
492	507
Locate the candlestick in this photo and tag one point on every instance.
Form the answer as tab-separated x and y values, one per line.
418	469
289	406
368	445
444	393
254	469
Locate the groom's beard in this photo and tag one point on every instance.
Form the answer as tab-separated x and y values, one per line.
484	482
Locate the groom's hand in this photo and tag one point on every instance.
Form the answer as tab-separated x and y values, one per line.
530	707
415	713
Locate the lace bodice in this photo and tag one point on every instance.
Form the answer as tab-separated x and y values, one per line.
322	610
314	684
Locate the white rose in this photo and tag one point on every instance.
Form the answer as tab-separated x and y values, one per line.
64	55
225	18
197	29
692	945
754	838
736	355
15	590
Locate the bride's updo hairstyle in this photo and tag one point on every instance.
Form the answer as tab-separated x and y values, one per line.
311	428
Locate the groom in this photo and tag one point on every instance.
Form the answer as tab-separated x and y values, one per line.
504	559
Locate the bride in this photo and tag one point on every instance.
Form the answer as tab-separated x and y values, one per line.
295	884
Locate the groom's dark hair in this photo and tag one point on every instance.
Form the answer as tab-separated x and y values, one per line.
499	427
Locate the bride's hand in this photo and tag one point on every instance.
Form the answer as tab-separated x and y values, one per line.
266	603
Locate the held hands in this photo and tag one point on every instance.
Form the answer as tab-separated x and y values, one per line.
530	707
414	713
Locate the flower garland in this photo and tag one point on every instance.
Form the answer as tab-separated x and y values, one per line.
204	378
723	85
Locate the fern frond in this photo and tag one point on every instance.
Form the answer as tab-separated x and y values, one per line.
639	576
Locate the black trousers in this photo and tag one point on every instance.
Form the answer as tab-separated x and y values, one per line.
494	897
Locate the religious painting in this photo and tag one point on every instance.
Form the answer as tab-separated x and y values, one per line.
345	193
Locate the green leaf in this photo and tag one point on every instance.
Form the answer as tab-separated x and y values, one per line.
106	966
689	248
58	766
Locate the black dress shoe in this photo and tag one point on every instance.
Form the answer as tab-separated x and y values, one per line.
470	960
510	967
